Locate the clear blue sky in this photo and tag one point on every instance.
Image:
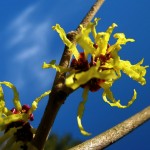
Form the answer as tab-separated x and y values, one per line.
27	40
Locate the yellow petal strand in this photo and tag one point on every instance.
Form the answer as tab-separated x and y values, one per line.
122	39
111	28
56	67
85	41
1	94
136	72
3	109
16	100
81	111
7	135
13	118
94	24
36	101
74	51
2	102
139	68
87	45
116	103
102	40
62	34
75	80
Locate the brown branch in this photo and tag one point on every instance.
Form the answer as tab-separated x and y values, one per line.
59	91
112	135
91	13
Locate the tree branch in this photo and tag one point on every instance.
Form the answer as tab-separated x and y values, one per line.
91	13
59	91
112	135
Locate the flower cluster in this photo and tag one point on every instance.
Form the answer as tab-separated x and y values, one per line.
98	65
14	122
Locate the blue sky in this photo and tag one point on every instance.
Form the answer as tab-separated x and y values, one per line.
27	40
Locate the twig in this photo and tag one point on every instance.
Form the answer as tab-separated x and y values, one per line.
59	91
91	13
112	135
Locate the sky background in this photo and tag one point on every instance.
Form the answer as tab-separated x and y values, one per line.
27	40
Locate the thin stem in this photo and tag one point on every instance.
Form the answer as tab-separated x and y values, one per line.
60	91
112	135
91	13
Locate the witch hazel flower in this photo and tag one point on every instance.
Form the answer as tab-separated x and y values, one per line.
14	122
98	66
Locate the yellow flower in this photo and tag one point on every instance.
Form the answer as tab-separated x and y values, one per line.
102	70
14	122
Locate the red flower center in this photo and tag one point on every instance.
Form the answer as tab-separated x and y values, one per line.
24	133
83	65
25	109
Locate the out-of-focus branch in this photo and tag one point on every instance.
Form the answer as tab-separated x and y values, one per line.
112	135
60	91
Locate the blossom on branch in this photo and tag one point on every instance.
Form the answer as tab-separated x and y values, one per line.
98	65
15	124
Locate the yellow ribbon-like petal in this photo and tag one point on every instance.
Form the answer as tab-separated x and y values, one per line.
112	101
16	100
56	67
62	34
1	94
7	135
3	109
85	41
121	40
102	40
93	27
12	118
81	108
136	72
36	101
77	79
2	102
